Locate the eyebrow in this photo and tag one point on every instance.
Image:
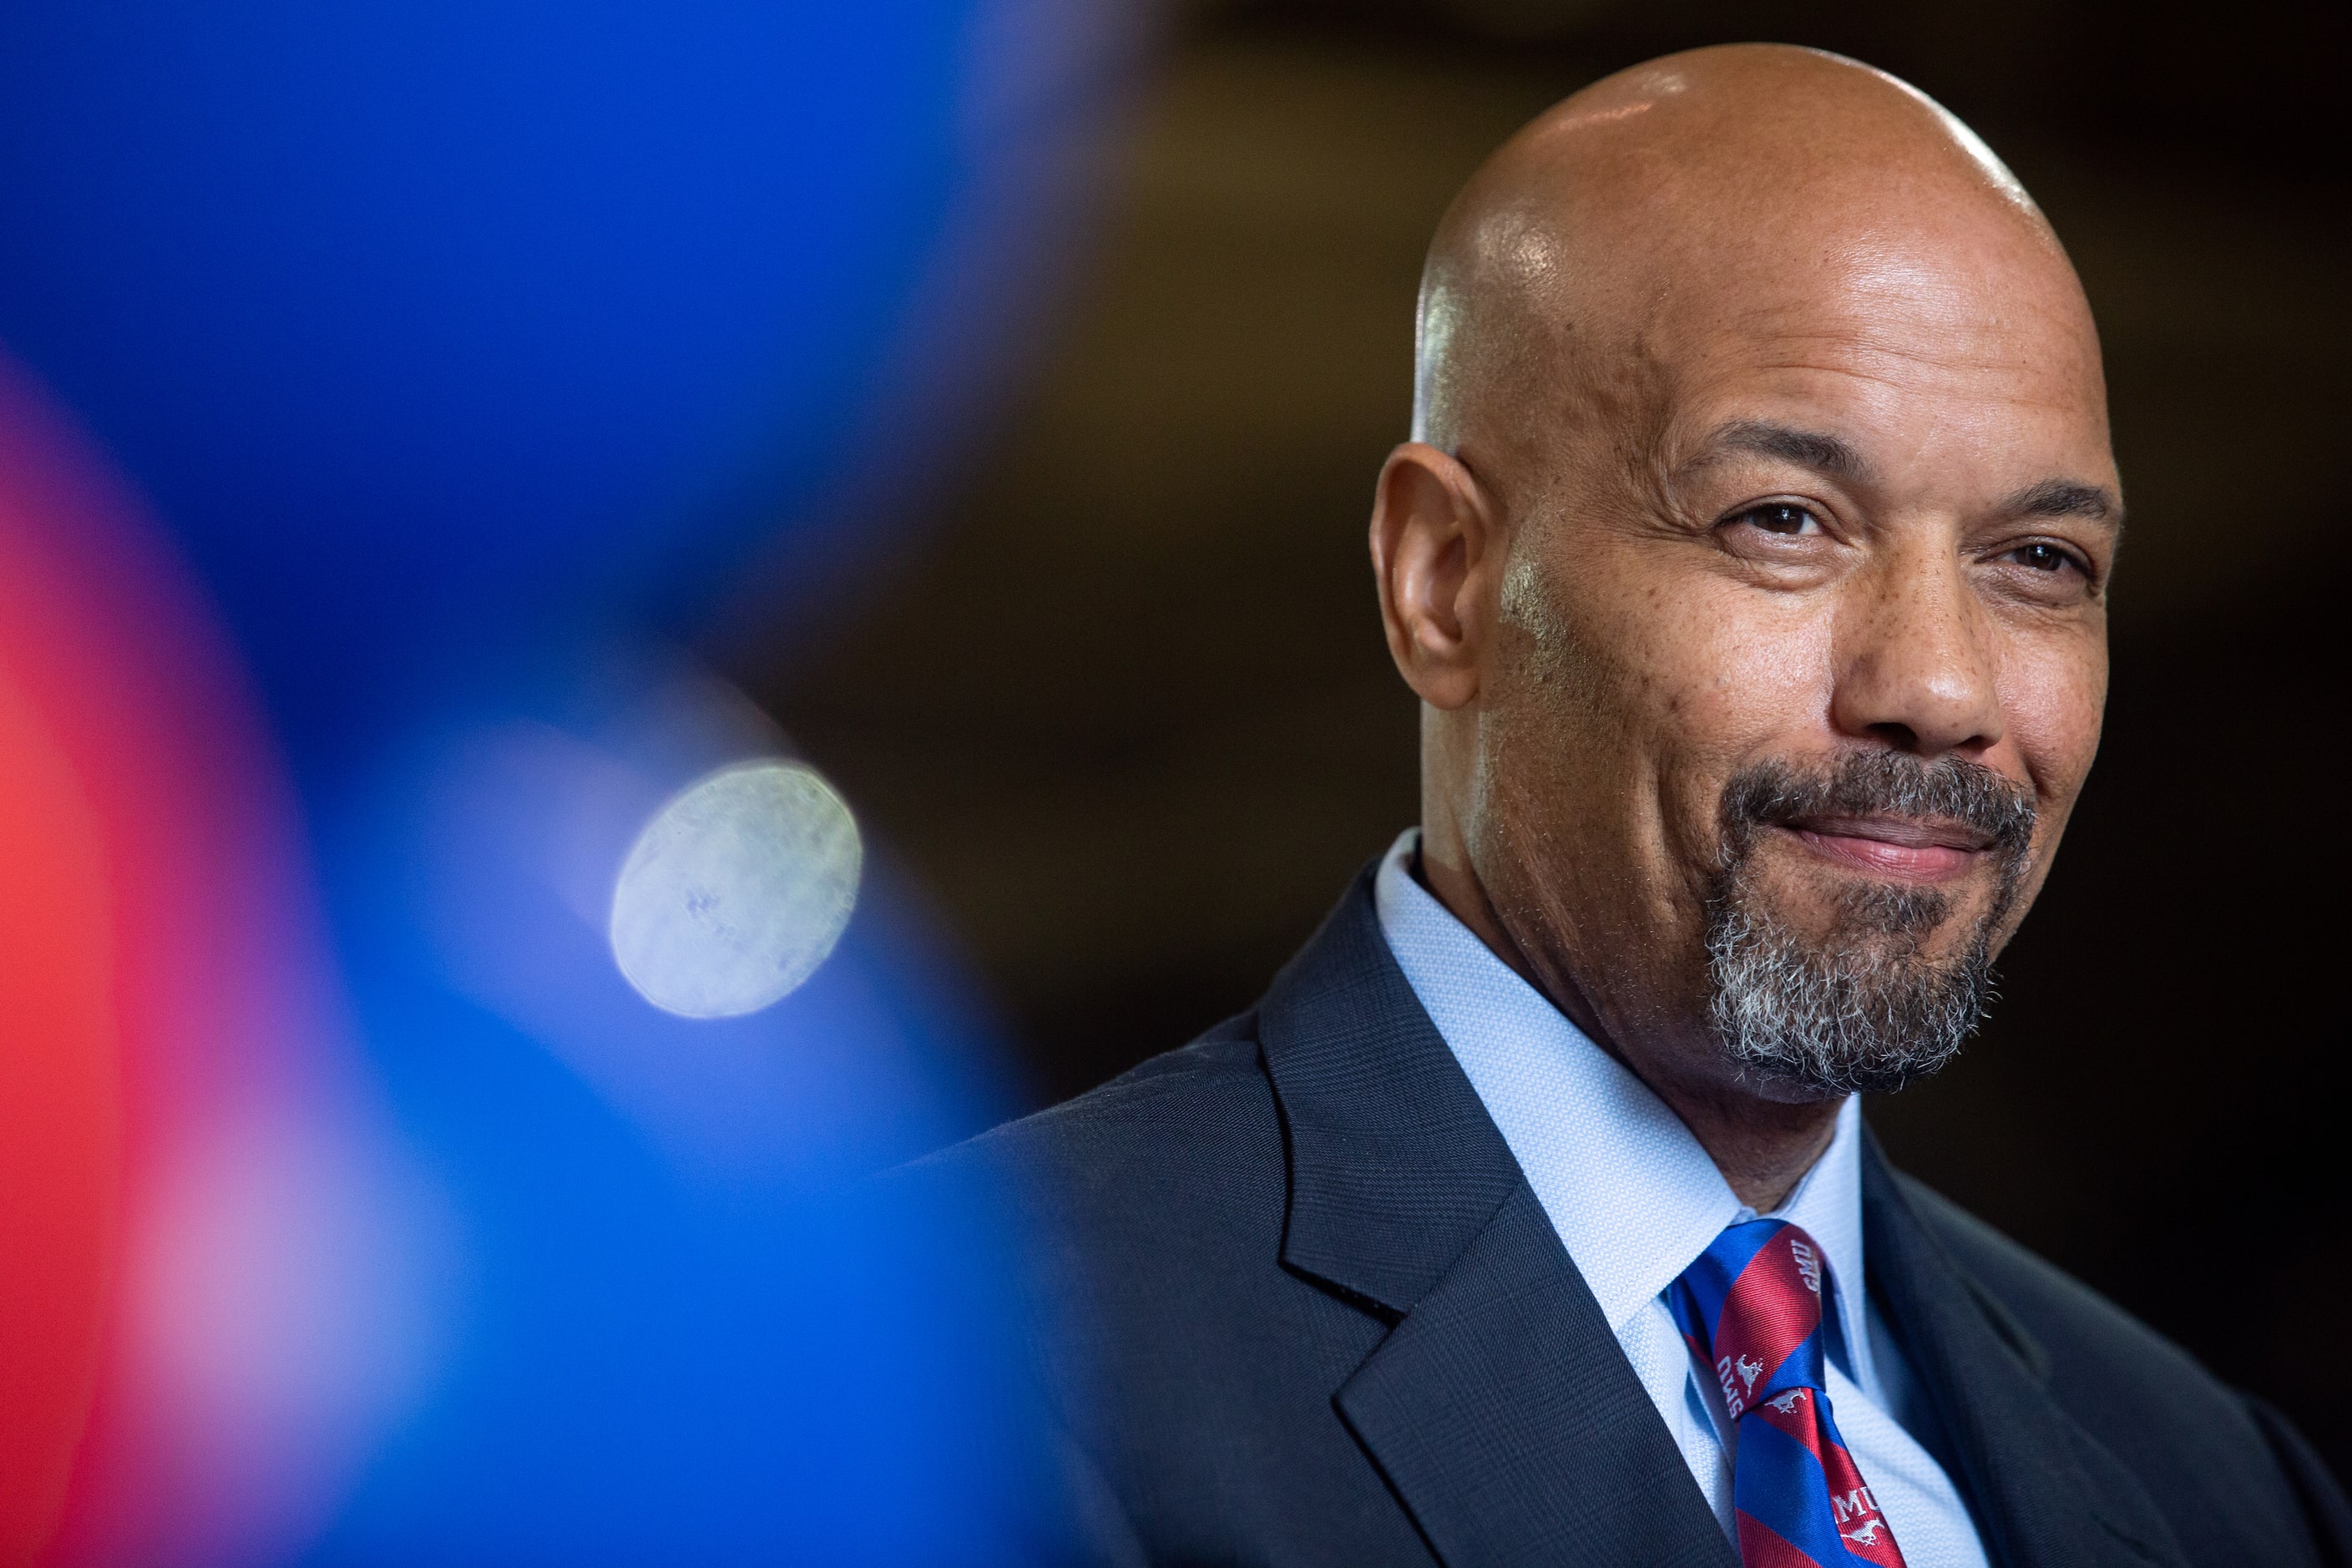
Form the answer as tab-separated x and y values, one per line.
2066	498
1811	449
1826	454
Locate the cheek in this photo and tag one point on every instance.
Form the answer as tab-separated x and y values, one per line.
1704	676
2053	694
1731	673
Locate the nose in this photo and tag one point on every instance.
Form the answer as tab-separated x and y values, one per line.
1917	665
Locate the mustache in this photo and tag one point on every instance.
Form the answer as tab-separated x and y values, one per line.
1778	793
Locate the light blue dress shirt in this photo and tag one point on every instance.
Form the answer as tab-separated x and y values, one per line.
1636	1199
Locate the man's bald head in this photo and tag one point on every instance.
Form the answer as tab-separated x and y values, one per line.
1722	179
1750	560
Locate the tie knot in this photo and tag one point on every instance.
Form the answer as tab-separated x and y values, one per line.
1750	1307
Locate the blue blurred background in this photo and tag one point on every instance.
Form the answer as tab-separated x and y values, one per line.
467	352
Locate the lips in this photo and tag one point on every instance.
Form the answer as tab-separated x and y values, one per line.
1908	849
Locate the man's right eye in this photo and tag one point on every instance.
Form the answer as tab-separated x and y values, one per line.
1779	517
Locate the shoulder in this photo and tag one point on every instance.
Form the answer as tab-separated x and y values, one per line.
1181	1154
2202	1449
1154	1211
1177	1110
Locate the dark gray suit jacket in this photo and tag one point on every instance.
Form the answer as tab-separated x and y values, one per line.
1307	1311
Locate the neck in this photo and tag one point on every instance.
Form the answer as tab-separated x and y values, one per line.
1762	1146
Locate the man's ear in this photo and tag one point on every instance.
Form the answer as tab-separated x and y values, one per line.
1436	548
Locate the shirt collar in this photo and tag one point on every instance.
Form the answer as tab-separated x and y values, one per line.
1632	1194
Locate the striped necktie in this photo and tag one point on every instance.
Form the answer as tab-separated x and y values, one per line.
1750	1310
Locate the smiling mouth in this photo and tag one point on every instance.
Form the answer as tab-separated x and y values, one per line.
1901	847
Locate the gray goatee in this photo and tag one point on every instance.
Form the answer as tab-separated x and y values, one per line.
1863	1008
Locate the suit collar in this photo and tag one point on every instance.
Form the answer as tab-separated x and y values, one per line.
1395	1167
2043	1490
1595	1142
1499	1407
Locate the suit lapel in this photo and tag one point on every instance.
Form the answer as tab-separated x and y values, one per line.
2044	1492
1499	1407
1504	1413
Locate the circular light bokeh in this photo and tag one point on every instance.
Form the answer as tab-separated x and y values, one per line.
737	890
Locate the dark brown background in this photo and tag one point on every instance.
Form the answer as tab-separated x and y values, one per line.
1129	718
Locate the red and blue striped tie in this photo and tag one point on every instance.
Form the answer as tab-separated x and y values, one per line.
1750	1309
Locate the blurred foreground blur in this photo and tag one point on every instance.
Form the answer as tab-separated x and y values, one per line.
445	1020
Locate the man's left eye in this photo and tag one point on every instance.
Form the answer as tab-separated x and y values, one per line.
2041	557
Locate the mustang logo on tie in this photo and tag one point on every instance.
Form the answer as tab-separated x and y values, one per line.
1750	1371
1786	1404
1867	1535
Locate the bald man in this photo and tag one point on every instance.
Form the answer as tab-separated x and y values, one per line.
1751	559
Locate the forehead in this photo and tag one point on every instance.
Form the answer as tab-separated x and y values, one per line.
1973	356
